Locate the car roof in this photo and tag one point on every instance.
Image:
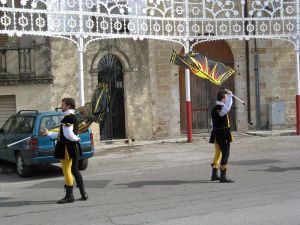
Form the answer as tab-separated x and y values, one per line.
50	113
45	113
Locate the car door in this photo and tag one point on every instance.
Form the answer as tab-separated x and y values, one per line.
46	145
4	137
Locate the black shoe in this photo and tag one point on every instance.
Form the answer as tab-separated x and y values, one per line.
84	195
69	196
223	178
214	174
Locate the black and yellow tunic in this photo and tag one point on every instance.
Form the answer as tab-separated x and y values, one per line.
221	132
64	144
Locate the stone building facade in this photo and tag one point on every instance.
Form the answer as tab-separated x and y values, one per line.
151	84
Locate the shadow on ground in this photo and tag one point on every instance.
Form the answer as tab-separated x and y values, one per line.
8	172
277	169
59	184
23	203
139	184
254	162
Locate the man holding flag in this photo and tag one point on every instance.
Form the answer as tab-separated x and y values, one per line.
221	135
217	73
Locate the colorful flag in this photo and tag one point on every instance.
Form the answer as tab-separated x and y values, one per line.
201	66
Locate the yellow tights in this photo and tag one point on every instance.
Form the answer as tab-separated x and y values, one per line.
66	165
218	157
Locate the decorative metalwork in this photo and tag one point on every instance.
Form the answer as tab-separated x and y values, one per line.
173	20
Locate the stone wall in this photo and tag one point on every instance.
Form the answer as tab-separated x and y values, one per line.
277	72
164	89
238	49
134	56
30	96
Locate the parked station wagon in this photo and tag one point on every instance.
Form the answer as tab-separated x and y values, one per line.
36	149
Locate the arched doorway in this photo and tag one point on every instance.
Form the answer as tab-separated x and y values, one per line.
203	92
111	73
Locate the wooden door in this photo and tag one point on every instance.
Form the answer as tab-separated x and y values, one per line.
203	92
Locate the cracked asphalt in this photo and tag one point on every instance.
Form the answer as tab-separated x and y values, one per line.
165	184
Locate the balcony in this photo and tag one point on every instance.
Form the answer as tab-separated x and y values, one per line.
19	65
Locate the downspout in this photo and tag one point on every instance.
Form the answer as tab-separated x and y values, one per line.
247	68
257	91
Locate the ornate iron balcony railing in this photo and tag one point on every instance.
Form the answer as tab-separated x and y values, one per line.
173	20
17	66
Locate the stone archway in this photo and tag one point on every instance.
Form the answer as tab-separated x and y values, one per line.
111	65
114	51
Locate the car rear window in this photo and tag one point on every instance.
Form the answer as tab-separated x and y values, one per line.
50	122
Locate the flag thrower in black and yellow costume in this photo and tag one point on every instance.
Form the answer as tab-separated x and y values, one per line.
201	66
216	73
68	148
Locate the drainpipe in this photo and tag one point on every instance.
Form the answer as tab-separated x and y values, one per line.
247	69
257	91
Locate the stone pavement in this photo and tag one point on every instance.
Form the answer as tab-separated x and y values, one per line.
166	184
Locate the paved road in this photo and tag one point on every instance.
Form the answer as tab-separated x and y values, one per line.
166	184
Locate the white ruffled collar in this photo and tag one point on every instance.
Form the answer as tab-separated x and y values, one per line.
69	111
220	103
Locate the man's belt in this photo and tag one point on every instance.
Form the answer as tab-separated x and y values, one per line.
221	128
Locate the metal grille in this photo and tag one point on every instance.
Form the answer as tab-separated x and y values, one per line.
111	73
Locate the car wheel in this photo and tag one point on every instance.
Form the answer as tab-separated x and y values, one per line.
23	170
83	164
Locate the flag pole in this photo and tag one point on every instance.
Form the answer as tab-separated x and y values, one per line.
236	97
17	142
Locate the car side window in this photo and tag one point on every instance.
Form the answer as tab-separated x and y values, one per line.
14	128
26	125
7	125
51	122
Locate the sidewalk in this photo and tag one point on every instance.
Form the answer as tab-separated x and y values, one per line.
202	137
267	133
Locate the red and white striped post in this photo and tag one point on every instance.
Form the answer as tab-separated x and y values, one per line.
188	100
298	87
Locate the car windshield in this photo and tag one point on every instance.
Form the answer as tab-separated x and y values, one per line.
51	122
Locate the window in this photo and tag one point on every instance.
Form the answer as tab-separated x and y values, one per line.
7	125
26	125
51	122
14	128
